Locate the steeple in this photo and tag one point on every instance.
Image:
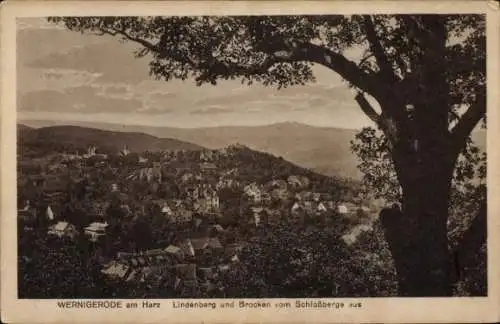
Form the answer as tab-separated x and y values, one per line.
125	151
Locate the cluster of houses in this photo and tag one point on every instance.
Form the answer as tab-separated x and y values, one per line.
304	201
95	231
59	228
192	267
175	211
91	152
199	196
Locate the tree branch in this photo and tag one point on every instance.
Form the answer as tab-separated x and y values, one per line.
345	68
366	68
465	125
280	52
402	66
367	108
364	59
393	108
158	48
113	32
377	50
384	123
300	53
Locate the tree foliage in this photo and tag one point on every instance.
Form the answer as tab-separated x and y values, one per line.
312	261
381	182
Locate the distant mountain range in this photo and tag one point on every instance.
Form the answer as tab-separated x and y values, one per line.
80	138
321	149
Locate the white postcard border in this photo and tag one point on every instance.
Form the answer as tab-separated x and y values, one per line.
374	309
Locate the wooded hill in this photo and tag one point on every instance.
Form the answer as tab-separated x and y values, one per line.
76	138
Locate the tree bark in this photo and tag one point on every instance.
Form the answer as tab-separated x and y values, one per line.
424	264
417	234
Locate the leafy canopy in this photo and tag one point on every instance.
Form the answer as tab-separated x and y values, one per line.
380	179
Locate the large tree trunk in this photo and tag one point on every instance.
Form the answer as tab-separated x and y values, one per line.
423	263
424	164
417	235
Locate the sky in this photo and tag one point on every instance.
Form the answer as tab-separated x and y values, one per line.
68	76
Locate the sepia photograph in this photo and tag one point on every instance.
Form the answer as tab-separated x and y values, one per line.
205	157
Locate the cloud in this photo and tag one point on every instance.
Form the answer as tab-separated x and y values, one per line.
29	79
211	110
113	60
50	75
79	99
150	106
161	96
226	99
318	102
337	92
117	91
312	95
151	110
71	77
36	44
36	23
268	106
